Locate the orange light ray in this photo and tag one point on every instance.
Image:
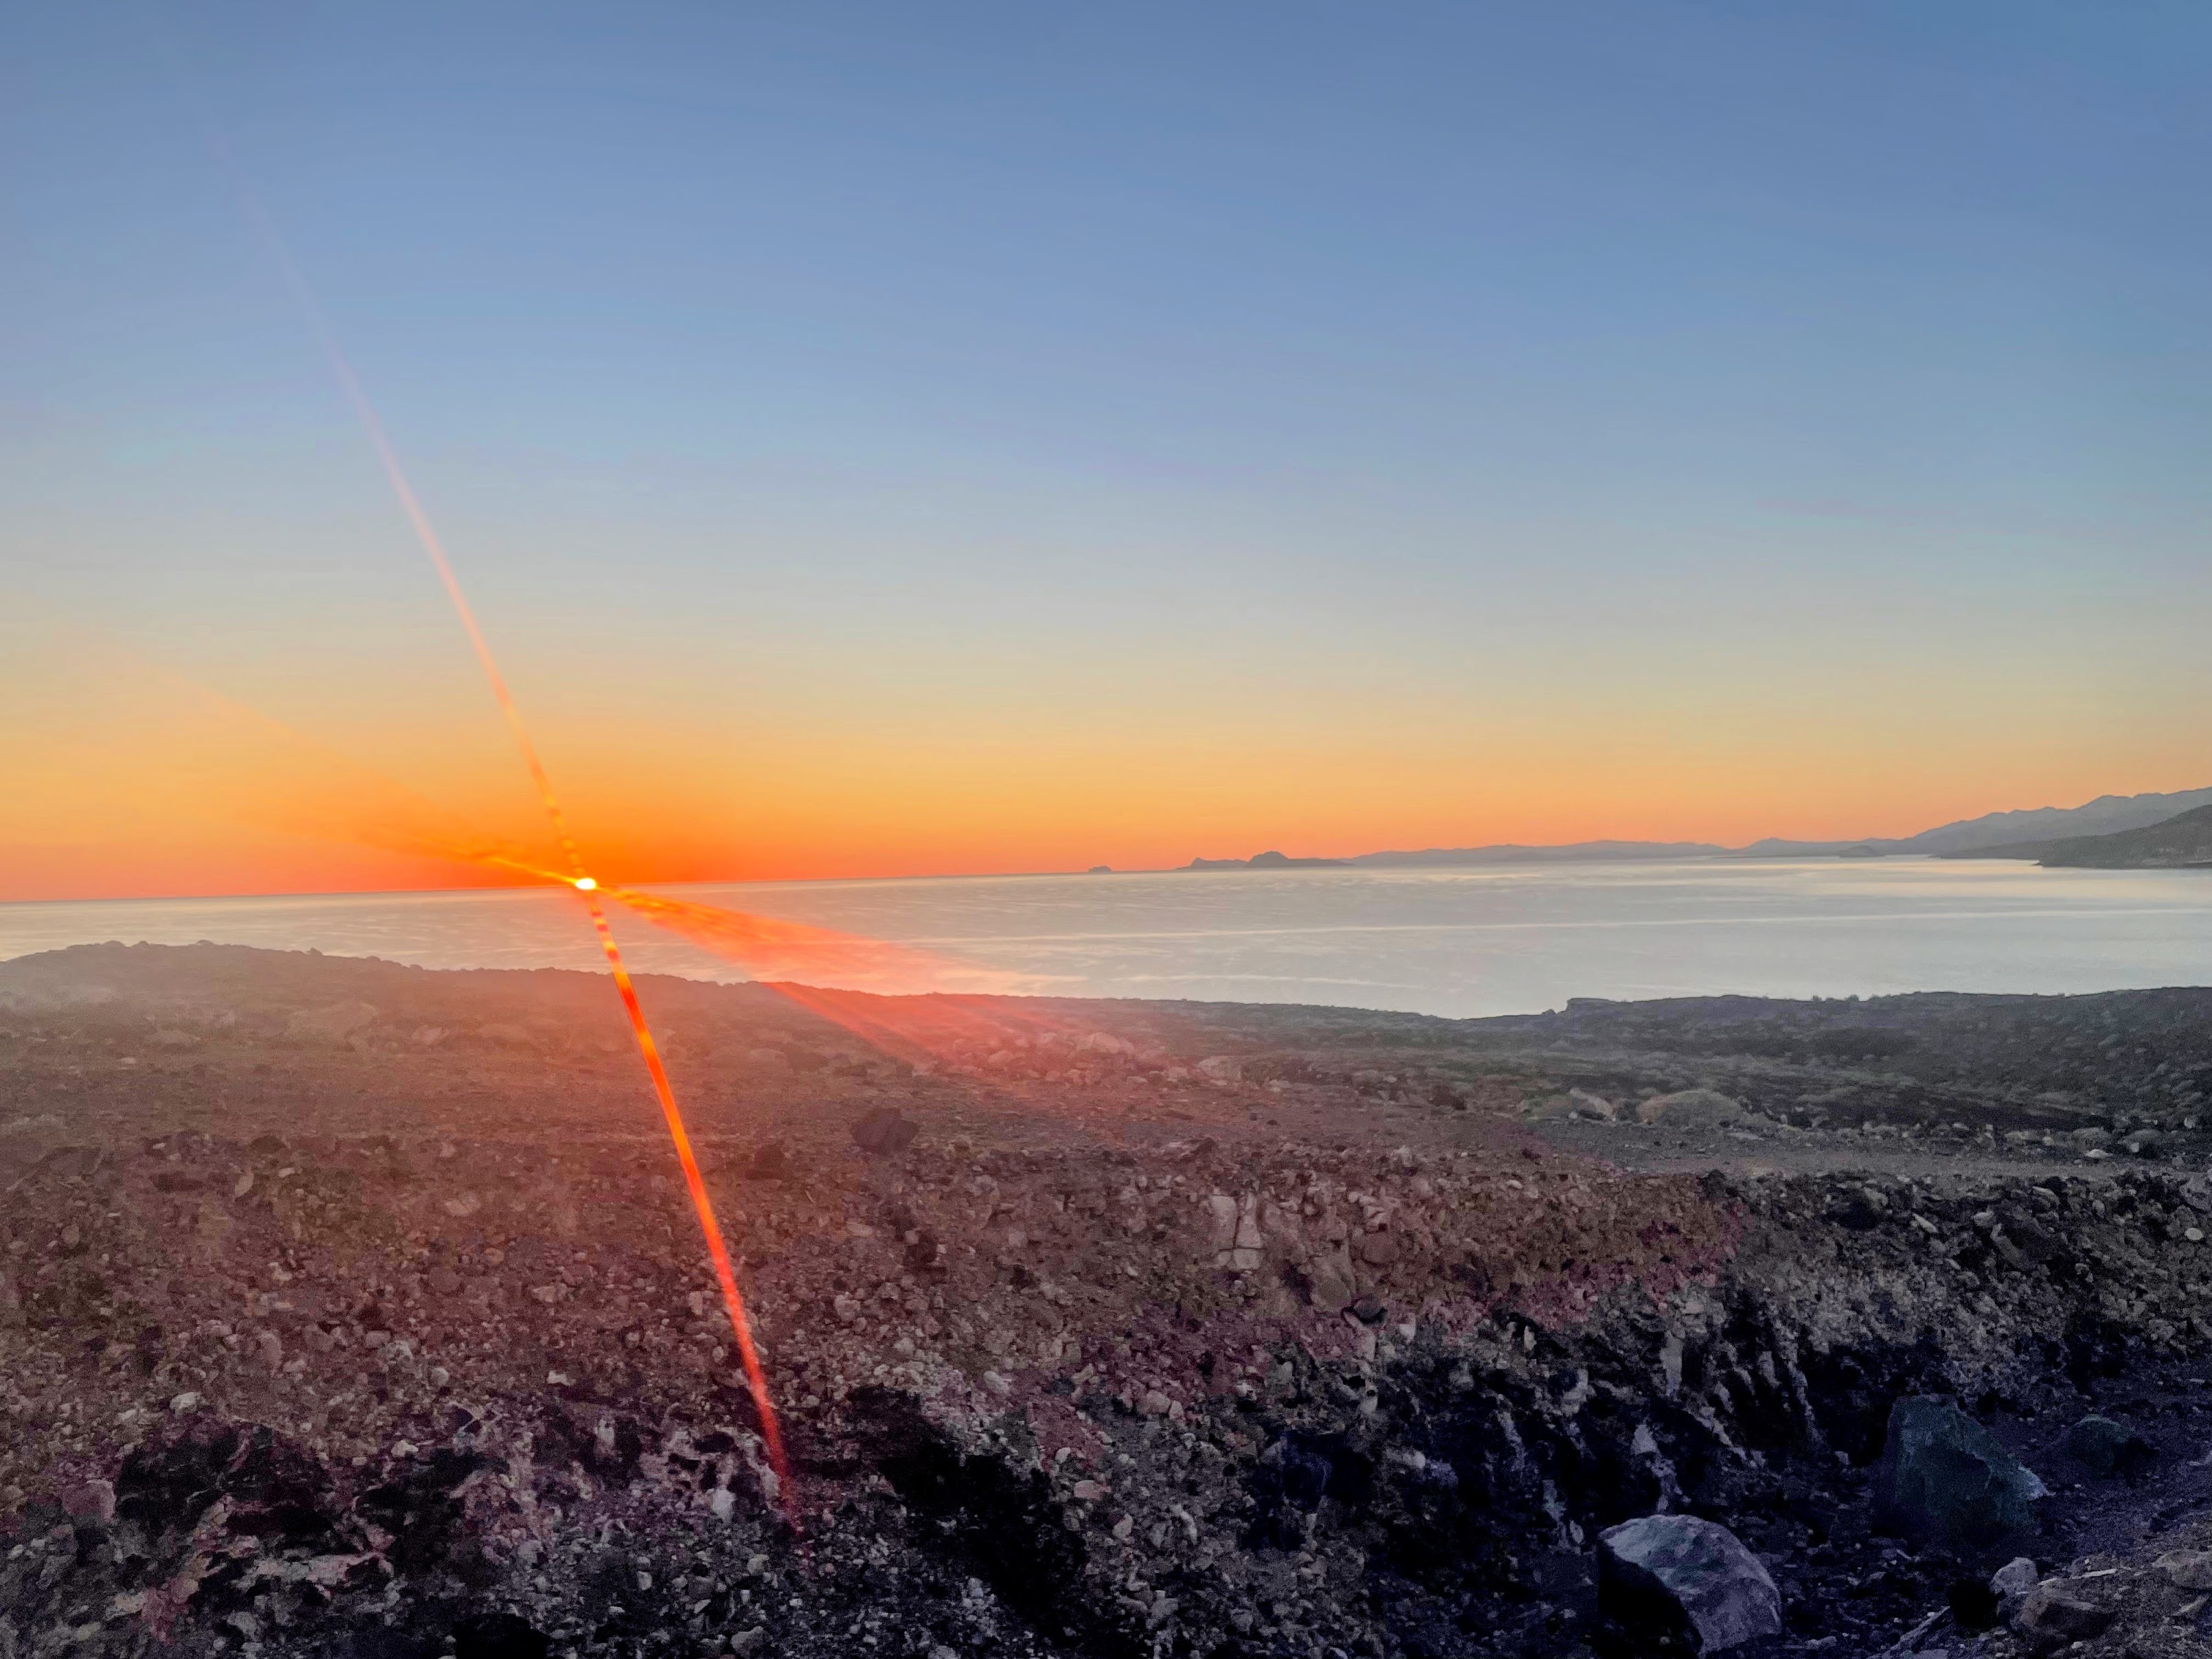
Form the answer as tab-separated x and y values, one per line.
426	534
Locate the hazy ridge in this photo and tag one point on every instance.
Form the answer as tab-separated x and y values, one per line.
2029	832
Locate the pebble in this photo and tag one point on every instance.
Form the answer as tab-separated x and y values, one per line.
2189	1570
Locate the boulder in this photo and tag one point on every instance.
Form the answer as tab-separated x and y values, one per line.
1680	1571
1691	1108
2106	1449
1943	1478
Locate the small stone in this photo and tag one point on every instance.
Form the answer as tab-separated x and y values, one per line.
184	1403
1087	1491
2189	1570
2105	1448
750	1641
1154	1404
1379	1250
243	1185
997	1384
771	1162
93	1502
885	1132
444	1280
1583	1103
272	1349
2008	1587
2052	1615
1691	1108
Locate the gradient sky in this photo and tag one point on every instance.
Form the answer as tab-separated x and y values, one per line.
897	438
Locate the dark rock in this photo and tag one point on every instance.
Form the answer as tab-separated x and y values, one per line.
2009	1585
1943	1478
1678	1569
2106	1449
1973	1604
1369	1310
498	1635
885	1132
277	1490
2053	1616
769	1163
377	1641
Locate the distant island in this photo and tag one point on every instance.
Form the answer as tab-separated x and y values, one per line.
1267	861
2149	831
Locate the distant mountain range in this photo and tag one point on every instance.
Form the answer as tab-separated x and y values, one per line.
2107	815
2180	842
2055	834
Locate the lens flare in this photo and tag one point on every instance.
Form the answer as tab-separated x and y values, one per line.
695	1184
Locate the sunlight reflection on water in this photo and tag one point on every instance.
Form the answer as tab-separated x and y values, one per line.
1463	941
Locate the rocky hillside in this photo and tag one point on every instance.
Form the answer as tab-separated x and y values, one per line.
347	1310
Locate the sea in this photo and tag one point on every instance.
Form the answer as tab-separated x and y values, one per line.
1463	941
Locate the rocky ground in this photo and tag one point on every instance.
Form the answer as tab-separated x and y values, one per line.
352	1310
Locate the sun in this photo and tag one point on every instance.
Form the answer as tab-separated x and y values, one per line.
585	885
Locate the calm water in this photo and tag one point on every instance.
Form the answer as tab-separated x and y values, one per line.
1475	941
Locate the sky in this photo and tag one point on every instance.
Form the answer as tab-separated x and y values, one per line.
895	439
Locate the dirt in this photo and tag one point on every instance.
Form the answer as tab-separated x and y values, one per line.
351	1309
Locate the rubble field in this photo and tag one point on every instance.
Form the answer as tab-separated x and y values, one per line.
349	1308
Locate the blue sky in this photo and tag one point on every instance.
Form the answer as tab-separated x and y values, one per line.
1427	369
